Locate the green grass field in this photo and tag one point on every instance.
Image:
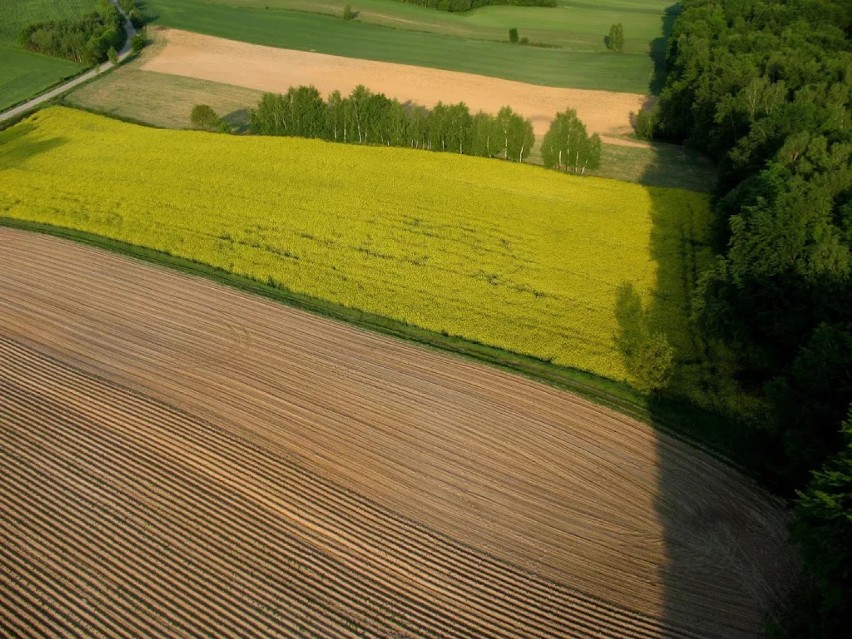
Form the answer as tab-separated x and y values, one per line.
574	25
22	73
512	256
476	42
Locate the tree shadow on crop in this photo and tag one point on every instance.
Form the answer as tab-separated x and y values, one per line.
659	46
723	538
17	146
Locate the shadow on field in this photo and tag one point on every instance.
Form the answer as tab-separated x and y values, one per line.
727	559
658	49
16	155
239	120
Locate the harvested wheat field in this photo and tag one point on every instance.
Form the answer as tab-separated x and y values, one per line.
276	70
181	459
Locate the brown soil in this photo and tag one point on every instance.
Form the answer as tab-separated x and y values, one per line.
179	458
276	70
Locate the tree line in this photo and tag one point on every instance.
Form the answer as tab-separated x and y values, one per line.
85	40
364	117
467	5
765	89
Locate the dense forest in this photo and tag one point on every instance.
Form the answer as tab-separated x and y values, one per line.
467	5
85	40
765	88
365	117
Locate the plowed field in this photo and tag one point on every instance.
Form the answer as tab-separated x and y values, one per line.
180	459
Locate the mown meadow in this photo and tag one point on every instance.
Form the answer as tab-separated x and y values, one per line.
570	270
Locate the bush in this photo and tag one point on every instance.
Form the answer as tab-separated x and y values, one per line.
653	363
204	117
112	55
348	14
615	39
138	42
136	18
646	120
513	35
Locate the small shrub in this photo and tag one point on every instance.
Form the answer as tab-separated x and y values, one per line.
136	18
513	35
138	42
646	121
524	40
204	117
348	14
615	39
112	55
654	363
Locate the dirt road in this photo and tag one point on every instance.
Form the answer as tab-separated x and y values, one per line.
271	69
181	458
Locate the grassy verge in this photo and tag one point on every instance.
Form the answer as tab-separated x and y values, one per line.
711	433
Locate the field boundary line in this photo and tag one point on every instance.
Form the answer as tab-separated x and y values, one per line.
665	416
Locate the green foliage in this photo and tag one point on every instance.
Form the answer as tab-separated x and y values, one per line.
645	124
648	356
138	42
134	12
112	55
615	39
823	530
567	146
204	117
765	89
84	40
24	73
513	35
365	117
348	14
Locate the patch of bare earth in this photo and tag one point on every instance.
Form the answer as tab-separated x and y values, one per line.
182	459
276	70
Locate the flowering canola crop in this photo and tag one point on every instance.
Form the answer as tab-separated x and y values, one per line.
509	255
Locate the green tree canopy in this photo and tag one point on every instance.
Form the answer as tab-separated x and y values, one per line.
568	147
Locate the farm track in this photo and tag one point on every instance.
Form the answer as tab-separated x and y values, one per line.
183	460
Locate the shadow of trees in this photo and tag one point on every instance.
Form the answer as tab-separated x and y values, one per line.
25	146
238	120
727	558
658	49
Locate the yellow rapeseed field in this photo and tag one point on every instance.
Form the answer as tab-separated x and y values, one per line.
513	256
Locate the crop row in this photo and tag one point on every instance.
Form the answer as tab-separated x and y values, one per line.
131	518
